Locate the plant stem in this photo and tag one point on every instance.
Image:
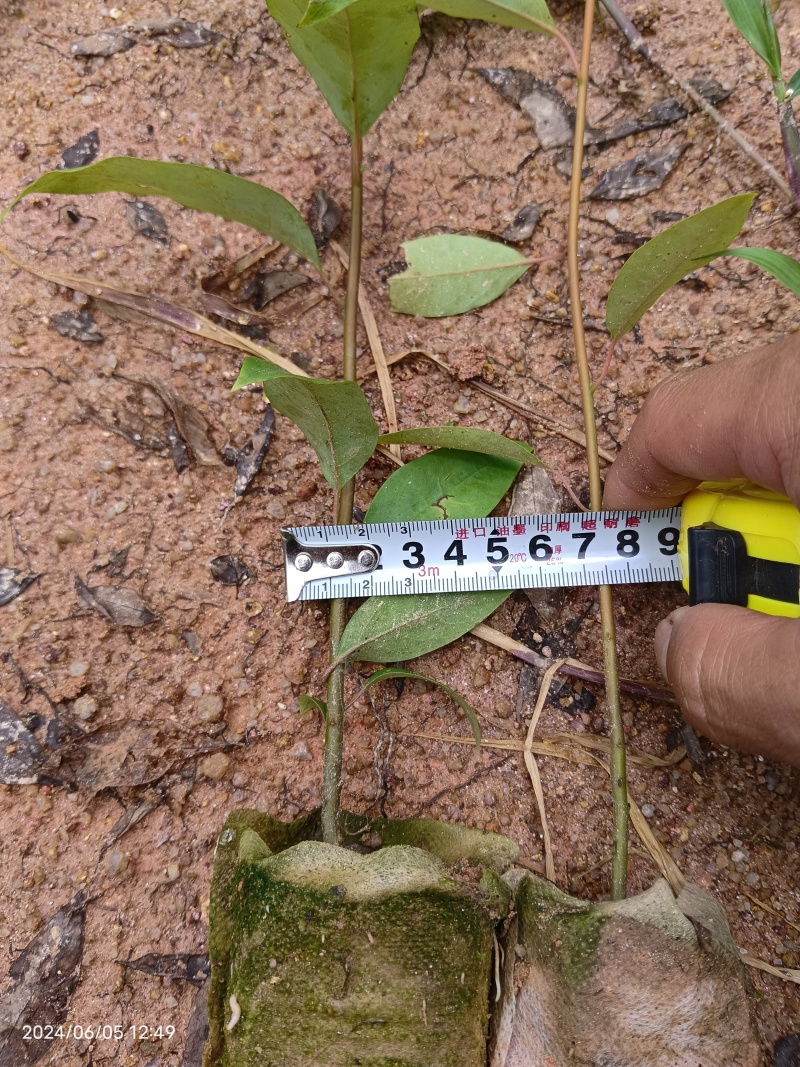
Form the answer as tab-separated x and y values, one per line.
334	723
791	147
619	791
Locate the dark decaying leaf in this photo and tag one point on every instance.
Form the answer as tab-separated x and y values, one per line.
251	455
82	152
12	583
787	1051
184	966
178	451
104	43
20	752
45	975
121	606
663	113
710	89
230	570
525	222
179	32
197	1030
269	286
147	221
552	117
191	425
79	325
130	817
136	754
117	562
218	305
642	174
324	217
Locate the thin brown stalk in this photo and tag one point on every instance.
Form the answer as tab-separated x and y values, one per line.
619	791
381	367
334	722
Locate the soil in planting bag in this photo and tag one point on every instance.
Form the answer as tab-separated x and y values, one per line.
329	957
652	981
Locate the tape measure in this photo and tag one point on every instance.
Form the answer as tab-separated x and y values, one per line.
728	543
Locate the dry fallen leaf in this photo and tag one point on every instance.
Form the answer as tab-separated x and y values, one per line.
191	425
642	174
12	583
119	605
44	977
20	753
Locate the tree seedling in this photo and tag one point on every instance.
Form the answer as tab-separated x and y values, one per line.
753	19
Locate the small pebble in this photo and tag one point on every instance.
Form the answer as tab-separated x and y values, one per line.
116	861
65	535
78	668
215	766
209	708
173	872
194	688
738	856
648	811
85	708
300	751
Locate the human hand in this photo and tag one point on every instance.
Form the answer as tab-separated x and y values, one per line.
735	672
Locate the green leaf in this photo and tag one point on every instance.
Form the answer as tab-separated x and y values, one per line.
780	266
308	703
334	416
663	261
387	673
794	84
358	57
453	273
520	14
319	10
388	628
201	188
445	484
466	438
753	19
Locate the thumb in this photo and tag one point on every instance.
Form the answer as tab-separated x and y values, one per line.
736	674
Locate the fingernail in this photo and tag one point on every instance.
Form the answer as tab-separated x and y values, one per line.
664	632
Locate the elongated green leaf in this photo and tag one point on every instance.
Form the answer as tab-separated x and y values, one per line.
794	84
387	673
388	628
445	484
320	10
201	188
358	56
780	266
520	14
453	273
464	437
663	261
307	703
753	19
334	416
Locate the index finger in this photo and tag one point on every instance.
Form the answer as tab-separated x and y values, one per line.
737	419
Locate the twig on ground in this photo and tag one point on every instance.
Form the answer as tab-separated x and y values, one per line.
533	769
573	667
